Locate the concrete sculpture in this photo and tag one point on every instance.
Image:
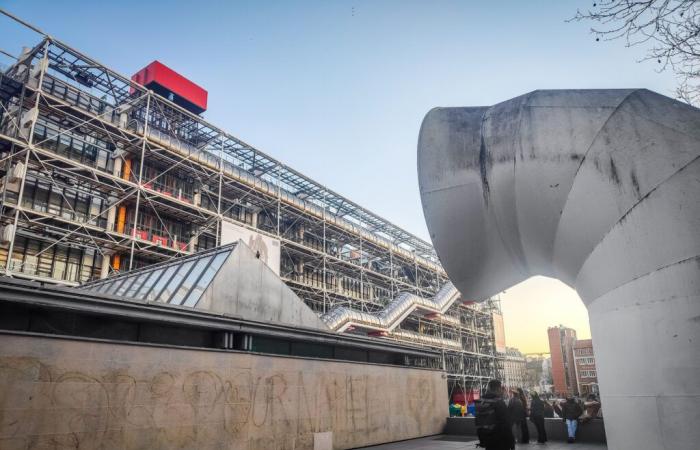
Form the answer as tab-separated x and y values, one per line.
601	190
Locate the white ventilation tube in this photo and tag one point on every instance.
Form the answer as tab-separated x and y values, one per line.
600	189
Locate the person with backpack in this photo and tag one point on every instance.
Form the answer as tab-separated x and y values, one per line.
493	425
537	417
571	410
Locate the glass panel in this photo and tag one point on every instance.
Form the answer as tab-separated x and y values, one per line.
148	284
190	280
161	282
136	284
174	283
105	286
204	282
114	286
125	285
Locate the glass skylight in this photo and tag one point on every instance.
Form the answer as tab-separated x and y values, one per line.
178	282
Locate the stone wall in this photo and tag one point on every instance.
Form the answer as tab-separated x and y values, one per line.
63	393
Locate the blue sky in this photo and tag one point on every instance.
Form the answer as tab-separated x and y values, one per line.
338	89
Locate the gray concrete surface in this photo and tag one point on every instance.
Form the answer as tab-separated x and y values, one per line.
600	189
65	393
246	287
449	443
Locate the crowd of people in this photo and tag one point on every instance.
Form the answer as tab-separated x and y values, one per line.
501	416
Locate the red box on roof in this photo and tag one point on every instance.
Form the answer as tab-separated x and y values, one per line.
173	86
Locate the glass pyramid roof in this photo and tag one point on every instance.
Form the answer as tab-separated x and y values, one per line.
178	282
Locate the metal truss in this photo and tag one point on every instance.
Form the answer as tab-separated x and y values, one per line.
98	144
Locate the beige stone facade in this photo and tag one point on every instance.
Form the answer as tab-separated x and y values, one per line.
64	393
515	370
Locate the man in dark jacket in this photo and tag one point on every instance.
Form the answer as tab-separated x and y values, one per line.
537	417
571	410
493	424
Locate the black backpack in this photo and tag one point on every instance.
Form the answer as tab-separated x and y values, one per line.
486	423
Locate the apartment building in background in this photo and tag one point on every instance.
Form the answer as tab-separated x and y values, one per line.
561	348
586	373
514	368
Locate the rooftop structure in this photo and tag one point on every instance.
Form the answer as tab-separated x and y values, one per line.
102	175
167	83
230	279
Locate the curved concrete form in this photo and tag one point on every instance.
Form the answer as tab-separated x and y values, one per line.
600	189
341	318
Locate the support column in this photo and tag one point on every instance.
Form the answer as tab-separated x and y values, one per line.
197	197
194	237
194	241
219	213
111	214
104	269
299	268
28	123
254	217
142	159
112	211
300	232
646	339
123	119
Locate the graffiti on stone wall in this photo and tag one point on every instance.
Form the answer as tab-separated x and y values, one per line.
50	406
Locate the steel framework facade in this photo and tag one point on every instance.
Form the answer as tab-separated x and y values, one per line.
101	175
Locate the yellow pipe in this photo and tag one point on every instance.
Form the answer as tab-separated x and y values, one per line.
116	261
121	219
126	173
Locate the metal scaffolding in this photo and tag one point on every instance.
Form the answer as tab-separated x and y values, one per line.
101	175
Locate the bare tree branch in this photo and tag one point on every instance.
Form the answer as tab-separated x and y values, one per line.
670	28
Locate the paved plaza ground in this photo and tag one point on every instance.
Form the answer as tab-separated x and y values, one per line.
462	443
